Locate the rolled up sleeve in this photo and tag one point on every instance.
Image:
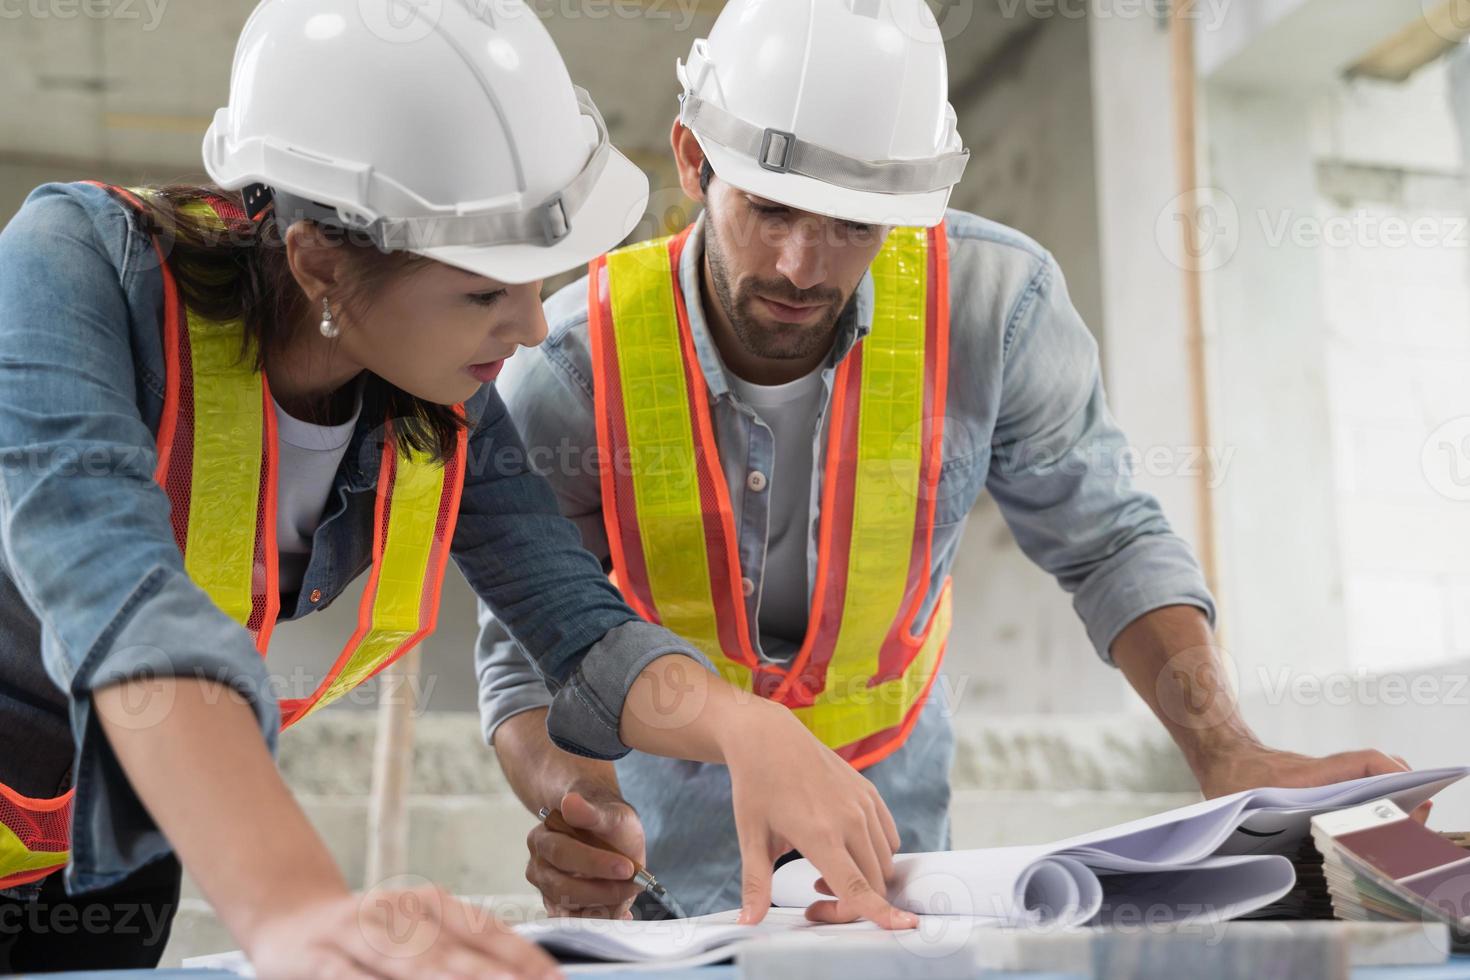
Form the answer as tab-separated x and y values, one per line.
1060	472
508	682
549	595
84	526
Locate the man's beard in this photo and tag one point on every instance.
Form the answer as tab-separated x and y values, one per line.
765	338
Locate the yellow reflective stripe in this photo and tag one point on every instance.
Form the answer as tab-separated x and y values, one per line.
664	467
890	426
15	857
225	488
852	712
413	513
734	673
376	647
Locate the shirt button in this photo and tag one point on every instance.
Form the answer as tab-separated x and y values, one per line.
756	481
747	586
316	595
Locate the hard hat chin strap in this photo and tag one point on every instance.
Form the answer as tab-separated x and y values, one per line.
782	152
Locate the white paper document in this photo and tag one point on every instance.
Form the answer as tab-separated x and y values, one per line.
1207	862
1218	859
711	938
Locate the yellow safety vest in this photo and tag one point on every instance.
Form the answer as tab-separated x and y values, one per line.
862	675
217	457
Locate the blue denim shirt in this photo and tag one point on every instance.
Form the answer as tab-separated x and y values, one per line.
1026	419
92	584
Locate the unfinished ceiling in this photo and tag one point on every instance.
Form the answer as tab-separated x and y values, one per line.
138	86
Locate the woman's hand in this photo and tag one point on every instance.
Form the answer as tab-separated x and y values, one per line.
402	934
193	751
790	791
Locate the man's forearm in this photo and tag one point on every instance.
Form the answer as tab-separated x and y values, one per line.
1171	659
676	708
538	771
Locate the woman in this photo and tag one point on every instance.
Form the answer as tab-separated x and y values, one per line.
221	405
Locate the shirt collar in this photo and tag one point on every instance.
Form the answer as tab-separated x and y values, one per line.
855	324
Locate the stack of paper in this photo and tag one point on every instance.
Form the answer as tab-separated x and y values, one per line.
1219	859
1380	864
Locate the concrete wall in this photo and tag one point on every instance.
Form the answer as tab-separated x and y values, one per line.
1023	89
1340	350
1145	345
1396	290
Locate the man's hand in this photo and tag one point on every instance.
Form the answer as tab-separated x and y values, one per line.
578	880
573	879
1172	660
1253	765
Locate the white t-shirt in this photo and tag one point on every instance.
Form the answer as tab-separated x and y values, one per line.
790	410
309	457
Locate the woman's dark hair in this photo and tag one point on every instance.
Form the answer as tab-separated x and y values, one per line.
240	273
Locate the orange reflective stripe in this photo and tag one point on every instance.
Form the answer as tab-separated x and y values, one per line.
807	676
34	836
719	514
267	573
418	507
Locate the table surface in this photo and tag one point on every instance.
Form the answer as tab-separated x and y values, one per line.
1458	968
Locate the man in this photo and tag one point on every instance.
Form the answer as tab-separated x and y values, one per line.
794	406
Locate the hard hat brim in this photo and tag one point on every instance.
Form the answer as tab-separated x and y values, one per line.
807	194
615	207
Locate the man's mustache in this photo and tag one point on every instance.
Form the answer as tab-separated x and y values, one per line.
783	292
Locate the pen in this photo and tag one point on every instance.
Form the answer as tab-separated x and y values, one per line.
641	875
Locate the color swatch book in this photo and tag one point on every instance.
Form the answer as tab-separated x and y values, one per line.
1381	864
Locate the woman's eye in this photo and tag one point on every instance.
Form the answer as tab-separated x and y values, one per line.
487	299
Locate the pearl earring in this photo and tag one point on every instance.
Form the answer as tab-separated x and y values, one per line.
330	330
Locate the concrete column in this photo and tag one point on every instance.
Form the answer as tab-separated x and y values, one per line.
1145	344
1459	73
1276	503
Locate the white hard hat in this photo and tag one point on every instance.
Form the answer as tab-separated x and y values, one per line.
838	107
450	129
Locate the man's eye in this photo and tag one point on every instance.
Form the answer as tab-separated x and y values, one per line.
770	210
487	299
